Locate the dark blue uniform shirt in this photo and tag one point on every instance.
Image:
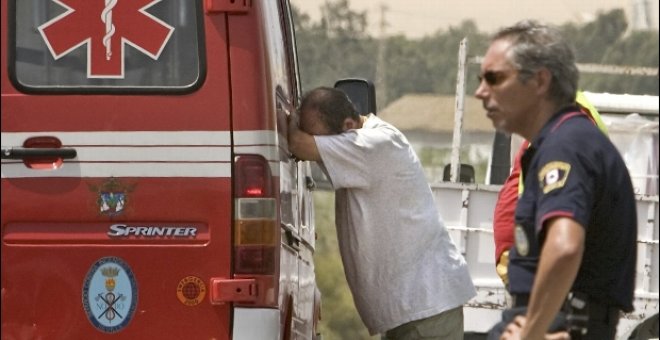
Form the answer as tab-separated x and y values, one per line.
573	170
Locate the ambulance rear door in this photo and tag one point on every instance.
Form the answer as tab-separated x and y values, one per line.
116	169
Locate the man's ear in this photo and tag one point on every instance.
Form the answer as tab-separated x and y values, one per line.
349	124
543	78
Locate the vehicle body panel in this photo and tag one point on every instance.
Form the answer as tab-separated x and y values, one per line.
151	189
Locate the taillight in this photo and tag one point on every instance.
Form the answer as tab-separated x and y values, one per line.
253	178
256	233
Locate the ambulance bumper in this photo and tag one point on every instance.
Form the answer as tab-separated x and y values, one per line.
256	323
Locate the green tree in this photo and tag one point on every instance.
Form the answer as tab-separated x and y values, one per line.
606	41
441	50
645	47
594	39
407	69
334	48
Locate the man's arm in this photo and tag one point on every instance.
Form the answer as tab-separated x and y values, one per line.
301	143
558	266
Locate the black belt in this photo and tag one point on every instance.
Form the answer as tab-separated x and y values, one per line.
596	310
520	300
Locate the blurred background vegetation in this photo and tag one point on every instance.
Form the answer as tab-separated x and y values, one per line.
338	46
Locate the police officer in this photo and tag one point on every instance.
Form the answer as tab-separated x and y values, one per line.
573	264
503	217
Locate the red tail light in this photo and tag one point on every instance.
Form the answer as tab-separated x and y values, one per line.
256	228
253	178
255	260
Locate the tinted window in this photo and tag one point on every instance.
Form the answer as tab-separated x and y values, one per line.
111	45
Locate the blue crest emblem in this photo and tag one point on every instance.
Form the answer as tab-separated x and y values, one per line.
112	197
112	203
110	294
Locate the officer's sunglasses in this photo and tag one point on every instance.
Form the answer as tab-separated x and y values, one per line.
493	78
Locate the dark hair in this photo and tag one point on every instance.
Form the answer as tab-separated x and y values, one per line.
333	105
536	46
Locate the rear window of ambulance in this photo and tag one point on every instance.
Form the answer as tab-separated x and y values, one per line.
107	45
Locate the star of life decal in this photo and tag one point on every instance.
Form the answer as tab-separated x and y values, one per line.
106	27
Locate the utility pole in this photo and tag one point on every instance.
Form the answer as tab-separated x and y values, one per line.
641	15
325	19
381	71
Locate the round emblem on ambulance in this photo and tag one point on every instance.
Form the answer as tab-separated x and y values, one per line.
522	243
110	294
191	290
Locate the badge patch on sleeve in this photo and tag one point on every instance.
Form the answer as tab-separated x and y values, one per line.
553	175
522	243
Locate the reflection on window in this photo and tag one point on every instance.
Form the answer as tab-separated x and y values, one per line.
167	30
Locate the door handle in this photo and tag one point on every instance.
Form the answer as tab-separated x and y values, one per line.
40	153
27	153
233	290
293	240
310	183
292	237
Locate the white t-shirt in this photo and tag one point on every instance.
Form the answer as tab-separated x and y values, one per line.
400	263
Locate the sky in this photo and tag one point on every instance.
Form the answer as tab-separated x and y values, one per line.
416	18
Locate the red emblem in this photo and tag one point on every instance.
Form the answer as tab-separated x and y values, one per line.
106	26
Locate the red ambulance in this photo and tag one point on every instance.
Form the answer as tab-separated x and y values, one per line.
147	187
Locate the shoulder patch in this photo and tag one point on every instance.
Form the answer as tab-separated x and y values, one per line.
521	241
553	175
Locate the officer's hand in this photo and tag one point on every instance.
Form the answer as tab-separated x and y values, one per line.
513	331
558	336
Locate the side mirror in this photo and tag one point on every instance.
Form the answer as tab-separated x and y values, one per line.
361	92
501	160
466	173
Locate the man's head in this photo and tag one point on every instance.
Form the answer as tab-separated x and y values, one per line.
527	69
327	111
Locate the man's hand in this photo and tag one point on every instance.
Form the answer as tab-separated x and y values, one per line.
301	144
514	331
292	124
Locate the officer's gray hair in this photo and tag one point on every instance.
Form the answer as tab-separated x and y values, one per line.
536	46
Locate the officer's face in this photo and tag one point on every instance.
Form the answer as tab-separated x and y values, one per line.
508	102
